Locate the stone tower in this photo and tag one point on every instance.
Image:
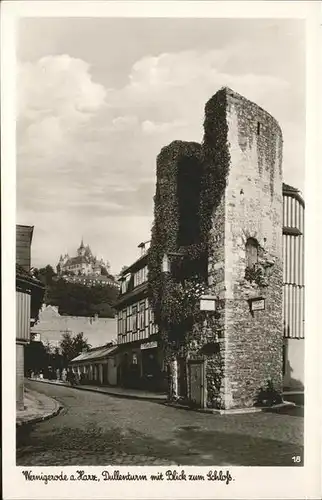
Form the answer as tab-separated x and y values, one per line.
233	254
81	250
246	261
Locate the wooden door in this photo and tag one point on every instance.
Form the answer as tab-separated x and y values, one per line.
197	383
182	377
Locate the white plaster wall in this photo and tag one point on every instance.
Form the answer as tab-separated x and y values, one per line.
294	359
112	372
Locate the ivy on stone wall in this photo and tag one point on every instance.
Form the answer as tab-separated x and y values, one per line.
215	159
175	308
167	293
256	274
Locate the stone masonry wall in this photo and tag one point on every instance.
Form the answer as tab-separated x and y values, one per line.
253	209
165	238
241	198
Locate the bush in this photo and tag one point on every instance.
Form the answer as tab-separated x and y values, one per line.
268	396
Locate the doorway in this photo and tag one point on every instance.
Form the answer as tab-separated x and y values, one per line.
196	369
182	378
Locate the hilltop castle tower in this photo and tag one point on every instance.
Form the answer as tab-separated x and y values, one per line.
215	268
81	250
84	263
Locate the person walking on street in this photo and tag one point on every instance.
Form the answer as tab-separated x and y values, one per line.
64	375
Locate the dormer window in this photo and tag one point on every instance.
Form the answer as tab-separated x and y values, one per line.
125	282
141	276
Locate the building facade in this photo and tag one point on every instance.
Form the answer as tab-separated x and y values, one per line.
90	280
243	293
218	219
85	269
97	366
83	263
29	295
293	298
51	326
140	357
293	287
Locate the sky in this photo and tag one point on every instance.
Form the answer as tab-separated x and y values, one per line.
97	98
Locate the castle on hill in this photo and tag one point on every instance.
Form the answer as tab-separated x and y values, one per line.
84	268
84	263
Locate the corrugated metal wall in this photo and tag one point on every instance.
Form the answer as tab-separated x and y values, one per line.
22	316
293	275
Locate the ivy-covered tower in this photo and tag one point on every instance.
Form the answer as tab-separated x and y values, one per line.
215	264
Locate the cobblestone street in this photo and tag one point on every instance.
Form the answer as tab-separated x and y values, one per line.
96	429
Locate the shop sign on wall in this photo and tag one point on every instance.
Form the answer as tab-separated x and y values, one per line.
149	345
207	303
258	305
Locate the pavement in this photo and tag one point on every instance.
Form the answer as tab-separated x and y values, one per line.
37	407
99	429
118	392
290	398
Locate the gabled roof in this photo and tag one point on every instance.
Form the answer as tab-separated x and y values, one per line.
96	353
27	278
293	192
80	259
138	264
287	187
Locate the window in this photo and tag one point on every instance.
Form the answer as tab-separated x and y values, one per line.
146	313
151	315
119	323
124	321
125	283
134	318
140	276
141	315
259	128
251	252
128	319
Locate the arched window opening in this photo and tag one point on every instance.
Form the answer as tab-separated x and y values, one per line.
251	253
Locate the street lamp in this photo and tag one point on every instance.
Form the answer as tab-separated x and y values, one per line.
166	264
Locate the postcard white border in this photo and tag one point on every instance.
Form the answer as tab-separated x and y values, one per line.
250	482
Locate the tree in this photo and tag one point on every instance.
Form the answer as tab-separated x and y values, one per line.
71	346
76	299
80	344
36	357
66	346
45	274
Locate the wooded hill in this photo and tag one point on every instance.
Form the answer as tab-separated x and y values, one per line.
74	299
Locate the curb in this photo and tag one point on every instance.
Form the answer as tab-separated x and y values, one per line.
165	402
113	394
286	404
42	418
